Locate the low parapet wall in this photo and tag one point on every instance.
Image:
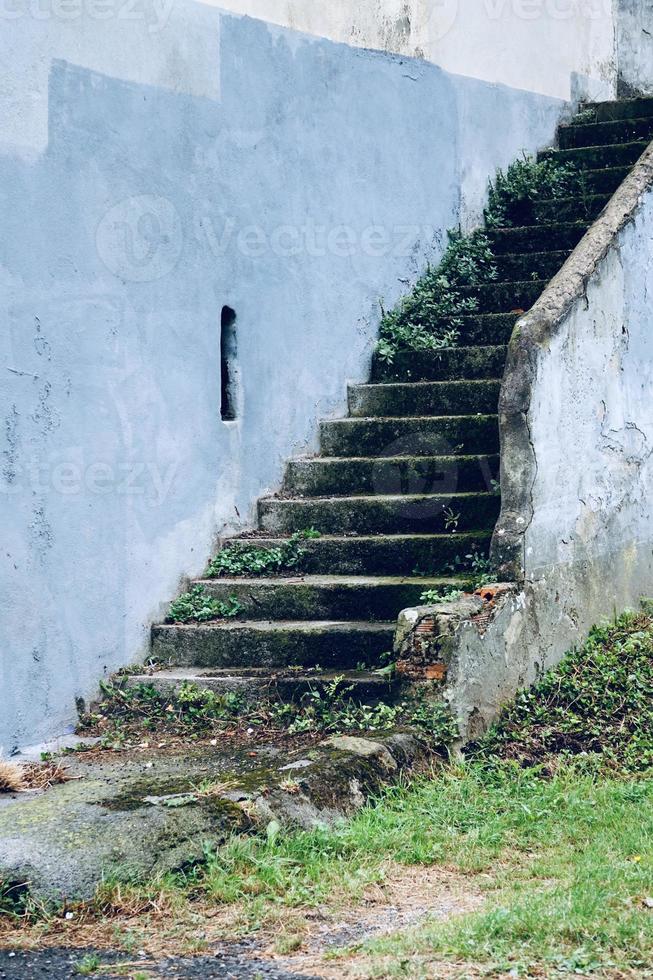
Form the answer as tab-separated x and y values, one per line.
575	534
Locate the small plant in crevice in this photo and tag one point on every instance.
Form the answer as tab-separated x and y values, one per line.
428	318
251	560
197	606
434	596
515	192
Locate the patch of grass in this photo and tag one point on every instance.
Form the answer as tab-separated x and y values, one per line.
197	606
598	701
88	965
253	560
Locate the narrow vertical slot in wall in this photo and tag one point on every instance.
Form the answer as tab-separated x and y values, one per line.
228	365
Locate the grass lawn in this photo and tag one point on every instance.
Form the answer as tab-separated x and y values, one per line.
548	824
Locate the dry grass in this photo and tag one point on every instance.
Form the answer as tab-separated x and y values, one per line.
43	775
12	777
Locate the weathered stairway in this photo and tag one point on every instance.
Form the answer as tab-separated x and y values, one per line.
404	483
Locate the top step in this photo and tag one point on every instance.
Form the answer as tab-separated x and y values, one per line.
623	109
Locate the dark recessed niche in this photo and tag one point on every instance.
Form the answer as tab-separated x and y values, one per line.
228	365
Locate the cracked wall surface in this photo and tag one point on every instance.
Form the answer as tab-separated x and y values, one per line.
576	418
634	40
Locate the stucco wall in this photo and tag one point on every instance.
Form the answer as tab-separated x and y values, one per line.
294	179
635	47
563	48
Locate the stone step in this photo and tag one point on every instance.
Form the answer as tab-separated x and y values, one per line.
416	436
622	109
565	209
605	180
253	685
604	133
504	297
537	238
430	513
596	157
287	643
483	329
381	554
330	597
424	398
522	266
324	476
450	364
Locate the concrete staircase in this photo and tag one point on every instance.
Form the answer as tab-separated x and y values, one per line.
404	483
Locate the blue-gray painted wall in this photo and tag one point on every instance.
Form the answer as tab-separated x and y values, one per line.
116	472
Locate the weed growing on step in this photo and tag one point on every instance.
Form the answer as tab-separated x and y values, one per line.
598	702
197	606
514	194
127	715
252	560
434	596
428	319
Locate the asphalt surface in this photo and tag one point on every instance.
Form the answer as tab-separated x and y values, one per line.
63	964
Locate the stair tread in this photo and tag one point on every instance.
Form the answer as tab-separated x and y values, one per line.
283	625
323	581
255	673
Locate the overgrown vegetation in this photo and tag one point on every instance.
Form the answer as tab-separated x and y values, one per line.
597	703
128	715
252	560
199	607
430	316
514	194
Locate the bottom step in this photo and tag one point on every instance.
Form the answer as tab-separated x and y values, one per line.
255	684
273	644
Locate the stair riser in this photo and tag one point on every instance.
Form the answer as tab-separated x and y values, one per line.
319	478
623	109
597	157
456	363
297	601
536	239
524	266
382	555
339	515
504	297
599	134
410	437
572	209
436	398
215	647
488	329
254	690
604	181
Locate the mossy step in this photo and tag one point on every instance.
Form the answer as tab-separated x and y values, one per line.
424	398
381	554
537	238
605	180
504	297
415	436
522	266
322	476
330	597
622	109
484	329
585	209
596	157
254	684
603	133
288	643
450	364
432	513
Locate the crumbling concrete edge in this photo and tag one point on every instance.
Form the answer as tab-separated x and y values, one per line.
531	335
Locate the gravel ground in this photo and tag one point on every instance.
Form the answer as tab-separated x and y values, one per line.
61	964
